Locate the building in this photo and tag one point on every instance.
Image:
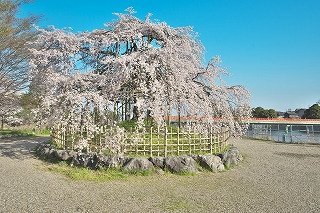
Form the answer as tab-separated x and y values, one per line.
300	112
291	114
280	114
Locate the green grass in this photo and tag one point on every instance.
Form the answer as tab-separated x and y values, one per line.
139	173
185	173
79	173
86	174
9	133
103	175
45	132
132	124
24	132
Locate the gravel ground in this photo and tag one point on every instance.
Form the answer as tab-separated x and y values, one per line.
272	178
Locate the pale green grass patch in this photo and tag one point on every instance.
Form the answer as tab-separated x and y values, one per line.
79	173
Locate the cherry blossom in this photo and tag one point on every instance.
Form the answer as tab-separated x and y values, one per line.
132	69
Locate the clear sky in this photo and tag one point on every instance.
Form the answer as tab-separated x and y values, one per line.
272	47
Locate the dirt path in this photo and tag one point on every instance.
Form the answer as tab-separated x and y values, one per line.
272	178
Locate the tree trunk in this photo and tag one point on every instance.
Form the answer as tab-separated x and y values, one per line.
135	111
115	110
122	110
2	122
127	109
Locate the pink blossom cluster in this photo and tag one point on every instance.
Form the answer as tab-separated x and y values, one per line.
147	67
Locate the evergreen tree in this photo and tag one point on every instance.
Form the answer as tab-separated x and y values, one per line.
313	112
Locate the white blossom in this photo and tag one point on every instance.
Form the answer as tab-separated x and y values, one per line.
153	68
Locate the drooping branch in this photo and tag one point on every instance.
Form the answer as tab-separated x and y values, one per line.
135	69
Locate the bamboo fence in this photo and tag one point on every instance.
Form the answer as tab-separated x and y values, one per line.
153	142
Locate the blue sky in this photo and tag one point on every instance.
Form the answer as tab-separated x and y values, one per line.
272	47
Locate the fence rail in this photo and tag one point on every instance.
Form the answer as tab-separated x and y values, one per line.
285	133
153	142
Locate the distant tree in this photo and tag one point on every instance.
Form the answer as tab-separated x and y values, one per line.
29	103
9	110
15	35
272	113
260	112
313	112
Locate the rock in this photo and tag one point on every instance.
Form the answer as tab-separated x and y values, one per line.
157	161
181	164
80	159
63	155
221	168
53	155
44	152
51	151
211	162
138	164
39	149
94	162
195	157
232	156
113	161
43	146
159	172
72	153
58	155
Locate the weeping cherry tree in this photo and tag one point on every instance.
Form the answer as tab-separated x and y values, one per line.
132	69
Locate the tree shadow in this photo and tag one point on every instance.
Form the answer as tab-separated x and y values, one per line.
298	155
20	147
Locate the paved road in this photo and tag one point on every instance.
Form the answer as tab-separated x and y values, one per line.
272	178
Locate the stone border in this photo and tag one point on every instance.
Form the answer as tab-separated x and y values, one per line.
174	164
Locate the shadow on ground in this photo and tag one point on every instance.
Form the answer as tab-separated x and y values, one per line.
297	155
19	147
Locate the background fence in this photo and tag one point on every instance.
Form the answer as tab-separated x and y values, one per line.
296	133
151	142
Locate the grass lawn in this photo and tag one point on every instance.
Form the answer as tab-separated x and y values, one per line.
23	132
79	173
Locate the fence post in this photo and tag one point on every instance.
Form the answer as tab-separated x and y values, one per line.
189	140
144	142
219	143
171	138
62	137
151	141
215	143
165	142
194	140
158	140
178	138
59	137
136	143
210	140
